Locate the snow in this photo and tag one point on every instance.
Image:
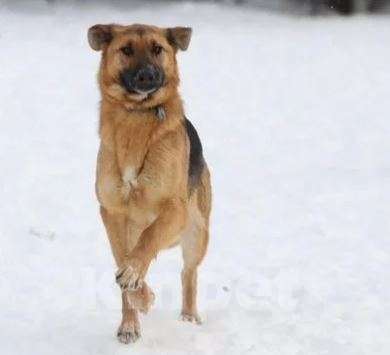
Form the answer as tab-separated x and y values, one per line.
294	117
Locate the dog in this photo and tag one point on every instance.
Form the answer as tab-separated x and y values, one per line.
152	181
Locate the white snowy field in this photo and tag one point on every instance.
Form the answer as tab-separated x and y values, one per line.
294	117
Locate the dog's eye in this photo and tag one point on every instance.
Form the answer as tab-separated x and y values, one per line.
157	49
128	50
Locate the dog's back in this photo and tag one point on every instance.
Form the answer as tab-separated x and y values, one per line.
196	163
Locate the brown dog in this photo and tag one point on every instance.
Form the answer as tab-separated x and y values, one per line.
152	182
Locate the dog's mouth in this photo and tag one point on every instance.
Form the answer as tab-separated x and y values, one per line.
142	95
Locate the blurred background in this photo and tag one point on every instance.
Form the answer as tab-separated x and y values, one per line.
312	7
291	100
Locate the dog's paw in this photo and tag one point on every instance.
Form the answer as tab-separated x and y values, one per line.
192	318
130	277
142	299
128	333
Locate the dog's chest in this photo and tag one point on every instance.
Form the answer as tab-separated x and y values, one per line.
131	142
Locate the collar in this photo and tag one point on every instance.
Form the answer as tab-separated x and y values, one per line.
159	111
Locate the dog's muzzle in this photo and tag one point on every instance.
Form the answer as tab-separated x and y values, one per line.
143	80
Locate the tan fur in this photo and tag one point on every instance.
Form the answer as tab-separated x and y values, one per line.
142	172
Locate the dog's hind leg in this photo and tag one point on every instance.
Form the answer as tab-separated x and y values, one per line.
194	245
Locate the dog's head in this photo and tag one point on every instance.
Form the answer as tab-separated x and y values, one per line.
138	65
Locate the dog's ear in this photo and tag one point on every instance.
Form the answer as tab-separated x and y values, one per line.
179	37
99	36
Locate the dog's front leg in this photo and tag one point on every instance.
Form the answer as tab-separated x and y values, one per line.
161	234
132	302
129	330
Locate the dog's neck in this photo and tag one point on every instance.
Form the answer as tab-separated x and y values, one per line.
159	111
163	116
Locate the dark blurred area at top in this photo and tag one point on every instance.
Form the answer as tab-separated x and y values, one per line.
316	7
312	7
347	7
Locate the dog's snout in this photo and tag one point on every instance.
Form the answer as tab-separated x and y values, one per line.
145	76
144	79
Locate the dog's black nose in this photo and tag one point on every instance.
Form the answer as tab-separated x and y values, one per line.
147	78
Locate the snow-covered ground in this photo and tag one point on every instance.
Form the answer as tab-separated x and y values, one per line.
294	116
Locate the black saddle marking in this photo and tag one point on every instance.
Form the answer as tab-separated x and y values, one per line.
196	163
